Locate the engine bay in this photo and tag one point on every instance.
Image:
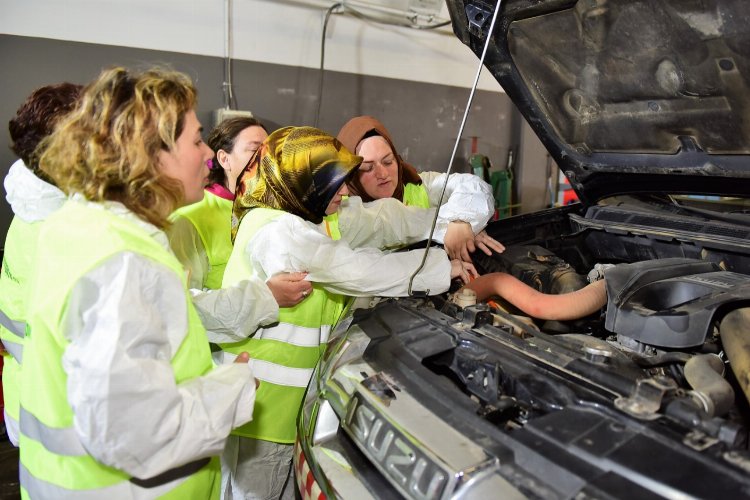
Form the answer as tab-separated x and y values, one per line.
644	395
668	350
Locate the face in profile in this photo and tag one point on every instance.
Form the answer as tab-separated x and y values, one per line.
187	160
333	205
379	171
245	145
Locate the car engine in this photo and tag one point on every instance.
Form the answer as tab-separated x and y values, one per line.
648	395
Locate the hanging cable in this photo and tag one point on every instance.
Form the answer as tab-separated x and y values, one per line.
229	101
346	8
349	8
322	60
458	139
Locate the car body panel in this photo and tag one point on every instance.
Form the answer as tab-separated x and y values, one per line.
644	107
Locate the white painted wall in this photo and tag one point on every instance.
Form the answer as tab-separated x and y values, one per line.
283	32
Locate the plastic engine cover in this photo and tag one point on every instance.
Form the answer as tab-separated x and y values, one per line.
669	302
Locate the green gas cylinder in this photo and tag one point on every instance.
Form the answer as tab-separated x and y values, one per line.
500	180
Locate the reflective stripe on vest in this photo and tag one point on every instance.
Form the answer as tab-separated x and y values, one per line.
65	441
15	349
295	334
17	328
283	356
61	441
19	261
279	374
34	487
212	219
54	459
415	195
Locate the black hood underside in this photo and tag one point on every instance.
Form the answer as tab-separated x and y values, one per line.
628	96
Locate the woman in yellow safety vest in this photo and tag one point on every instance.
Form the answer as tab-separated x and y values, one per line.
32	198
465	209
200	233
120	398
296	178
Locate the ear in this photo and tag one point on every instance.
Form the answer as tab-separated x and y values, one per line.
223	158
160	158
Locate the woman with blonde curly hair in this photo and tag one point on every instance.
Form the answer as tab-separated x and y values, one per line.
119	395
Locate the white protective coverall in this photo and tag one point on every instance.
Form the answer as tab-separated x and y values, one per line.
228	315
188	248
467	198
30	198
385	223
105	374
299	245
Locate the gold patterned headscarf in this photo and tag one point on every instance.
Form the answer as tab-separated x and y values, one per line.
296	169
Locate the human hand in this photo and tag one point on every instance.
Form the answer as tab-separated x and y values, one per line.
487	243
459	240
244	357
463	270
289	289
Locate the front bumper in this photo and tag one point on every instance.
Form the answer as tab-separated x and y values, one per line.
363	435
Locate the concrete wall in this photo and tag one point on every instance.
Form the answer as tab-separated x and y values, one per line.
285	32
423	117
415	81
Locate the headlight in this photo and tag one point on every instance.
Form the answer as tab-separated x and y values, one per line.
317	463
331	386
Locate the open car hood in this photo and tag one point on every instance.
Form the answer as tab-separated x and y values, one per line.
628	96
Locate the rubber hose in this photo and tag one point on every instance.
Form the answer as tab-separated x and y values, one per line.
704	373
736	341
665	358
562	307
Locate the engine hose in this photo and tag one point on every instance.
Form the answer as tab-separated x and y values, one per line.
562	307
704	373
736	342
666	358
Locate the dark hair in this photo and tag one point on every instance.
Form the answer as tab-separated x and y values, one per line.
37	117
223	136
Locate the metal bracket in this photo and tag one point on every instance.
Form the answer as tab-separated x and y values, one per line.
478	18
476	316
646	400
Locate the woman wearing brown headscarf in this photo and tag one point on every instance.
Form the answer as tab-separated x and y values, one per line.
297	177
468	203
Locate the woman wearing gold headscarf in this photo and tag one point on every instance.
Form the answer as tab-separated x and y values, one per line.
297	177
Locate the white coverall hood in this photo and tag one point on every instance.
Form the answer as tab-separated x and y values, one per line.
31	198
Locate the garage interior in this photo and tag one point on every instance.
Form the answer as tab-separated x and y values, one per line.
416	81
